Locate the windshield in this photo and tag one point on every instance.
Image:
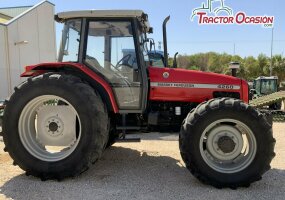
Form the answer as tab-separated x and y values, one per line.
69	47
268	86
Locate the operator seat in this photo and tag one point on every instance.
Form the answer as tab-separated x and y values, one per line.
94	63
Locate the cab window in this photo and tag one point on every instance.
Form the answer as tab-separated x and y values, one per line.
111	52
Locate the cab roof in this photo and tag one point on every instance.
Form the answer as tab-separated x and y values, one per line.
142	17
100	13
266	77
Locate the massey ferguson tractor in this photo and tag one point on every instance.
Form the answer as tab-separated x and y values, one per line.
58	122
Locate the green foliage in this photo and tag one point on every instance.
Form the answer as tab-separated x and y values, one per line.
194	68
170	62
250	67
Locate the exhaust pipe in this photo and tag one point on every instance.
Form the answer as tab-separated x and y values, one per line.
175	60
165	41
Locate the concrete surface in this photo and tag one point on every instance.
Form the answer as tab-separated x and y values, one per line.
148	170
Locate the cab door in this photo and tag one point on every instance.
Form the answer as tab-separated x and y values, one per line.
112	51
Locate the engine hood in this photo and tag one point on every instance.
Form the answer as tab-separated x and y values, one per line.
171	84
190	76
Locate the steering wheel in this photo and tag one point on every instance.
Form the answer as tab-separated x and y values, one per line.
126	59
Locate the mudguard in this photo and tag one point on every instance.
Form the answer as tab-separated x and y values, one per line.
34	70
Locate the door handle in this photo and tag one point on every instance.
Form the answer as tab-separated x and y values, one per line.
21	42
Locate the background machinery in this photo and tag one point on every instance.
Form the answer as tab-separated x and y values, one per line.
265	94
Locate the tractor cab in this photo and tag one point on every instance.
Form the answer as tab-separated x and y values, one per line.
265	85
112	44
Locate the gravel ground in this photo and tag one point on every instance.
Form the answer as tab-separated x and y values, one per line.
148	170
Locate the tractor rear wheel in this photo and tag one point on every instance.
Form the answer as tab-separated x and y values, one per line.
226	143
55	126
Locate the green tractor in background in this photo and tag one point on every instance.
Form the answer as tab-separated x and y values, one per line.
263	86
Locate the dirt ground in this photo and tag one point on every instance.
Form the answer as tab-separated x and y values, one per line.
152	169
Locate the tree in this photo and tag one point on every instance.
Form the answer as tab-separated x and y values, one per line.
279	67
263	62
250	67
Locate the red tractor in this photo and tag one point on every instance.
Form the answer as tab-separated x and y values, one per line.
59	121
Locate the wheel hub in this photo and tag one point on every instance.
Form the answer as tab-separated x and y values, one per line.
53	126
226	144
56	126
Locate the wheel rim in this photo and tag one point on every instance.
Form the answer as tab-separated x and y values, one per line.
228	146
49	128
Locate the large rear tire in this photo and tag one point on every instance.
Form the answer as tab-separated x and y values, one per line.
55	126
226	143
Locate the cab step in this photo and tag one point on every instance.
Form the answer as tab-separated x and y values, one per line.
124	128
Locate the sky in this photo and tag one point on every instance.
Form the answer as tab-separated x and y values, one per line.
186	36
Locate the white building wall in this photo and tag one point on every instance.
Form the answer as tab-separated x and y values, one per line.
31	40
4	82
13	54
46	28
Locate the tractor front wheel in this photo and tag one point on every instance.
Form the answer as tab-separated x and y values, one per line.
226	143
55	126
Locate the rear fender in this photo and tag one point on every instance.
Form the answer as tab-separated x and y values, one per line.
83	72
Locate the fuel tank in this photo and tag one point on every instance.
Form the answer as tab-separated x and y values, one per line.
173	84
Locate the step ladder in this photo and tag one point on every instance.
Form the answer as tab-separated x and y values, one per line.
124	128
